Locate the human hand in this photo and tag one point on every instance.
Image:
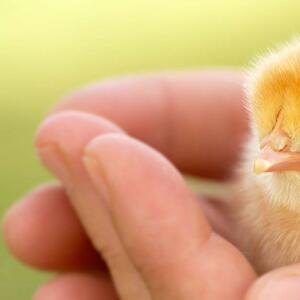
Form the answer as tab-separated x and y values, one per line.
134	205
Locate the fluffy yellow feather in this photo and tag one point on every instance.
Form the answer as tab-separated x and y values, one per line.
274	87
267	209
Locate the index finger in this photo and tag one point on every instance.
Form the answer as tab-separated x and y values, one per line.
196	119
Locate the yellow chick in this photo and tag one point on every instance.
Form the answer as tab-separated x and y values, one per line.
267	209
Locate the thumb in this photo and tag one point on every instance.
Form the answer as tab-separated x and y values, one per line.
283	283
161	226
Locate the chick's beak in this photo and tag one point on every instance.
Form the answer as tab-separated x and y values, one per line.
270	160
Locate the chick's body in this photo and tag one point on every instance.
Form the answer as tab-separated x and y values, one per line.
267	211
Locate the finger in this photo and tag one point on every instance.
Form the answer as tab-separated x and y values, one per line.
77	286
280	284
161	225
61	151
42	230
196	119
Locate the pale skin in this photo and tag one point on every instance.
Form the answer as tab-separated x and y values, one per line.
153	236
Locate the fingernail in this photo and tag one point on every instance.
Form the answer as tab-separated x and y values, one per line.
280	288
97	175
52	156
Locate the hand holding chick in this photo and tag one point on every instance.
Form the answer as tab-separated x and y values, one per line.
43	230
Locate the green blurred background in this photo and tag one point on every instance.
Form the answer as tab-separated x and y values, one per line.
50	47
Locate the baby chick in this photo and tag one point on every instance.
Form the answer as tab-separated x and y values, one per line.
267	209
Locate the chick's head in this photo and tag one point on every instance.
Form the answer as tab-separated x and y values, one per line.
274	95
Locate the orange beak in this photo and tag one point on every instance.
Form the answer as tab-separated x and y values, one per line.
270	160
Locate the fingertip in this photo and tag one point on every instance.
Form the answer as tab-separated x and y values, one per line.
61	140
19	225
283	283
42	230
67	125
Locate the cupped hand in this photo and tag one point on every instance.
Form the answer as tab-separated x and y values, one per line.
124	224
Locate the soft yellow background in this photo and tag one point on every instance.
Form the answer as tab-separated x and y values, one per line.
50	47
